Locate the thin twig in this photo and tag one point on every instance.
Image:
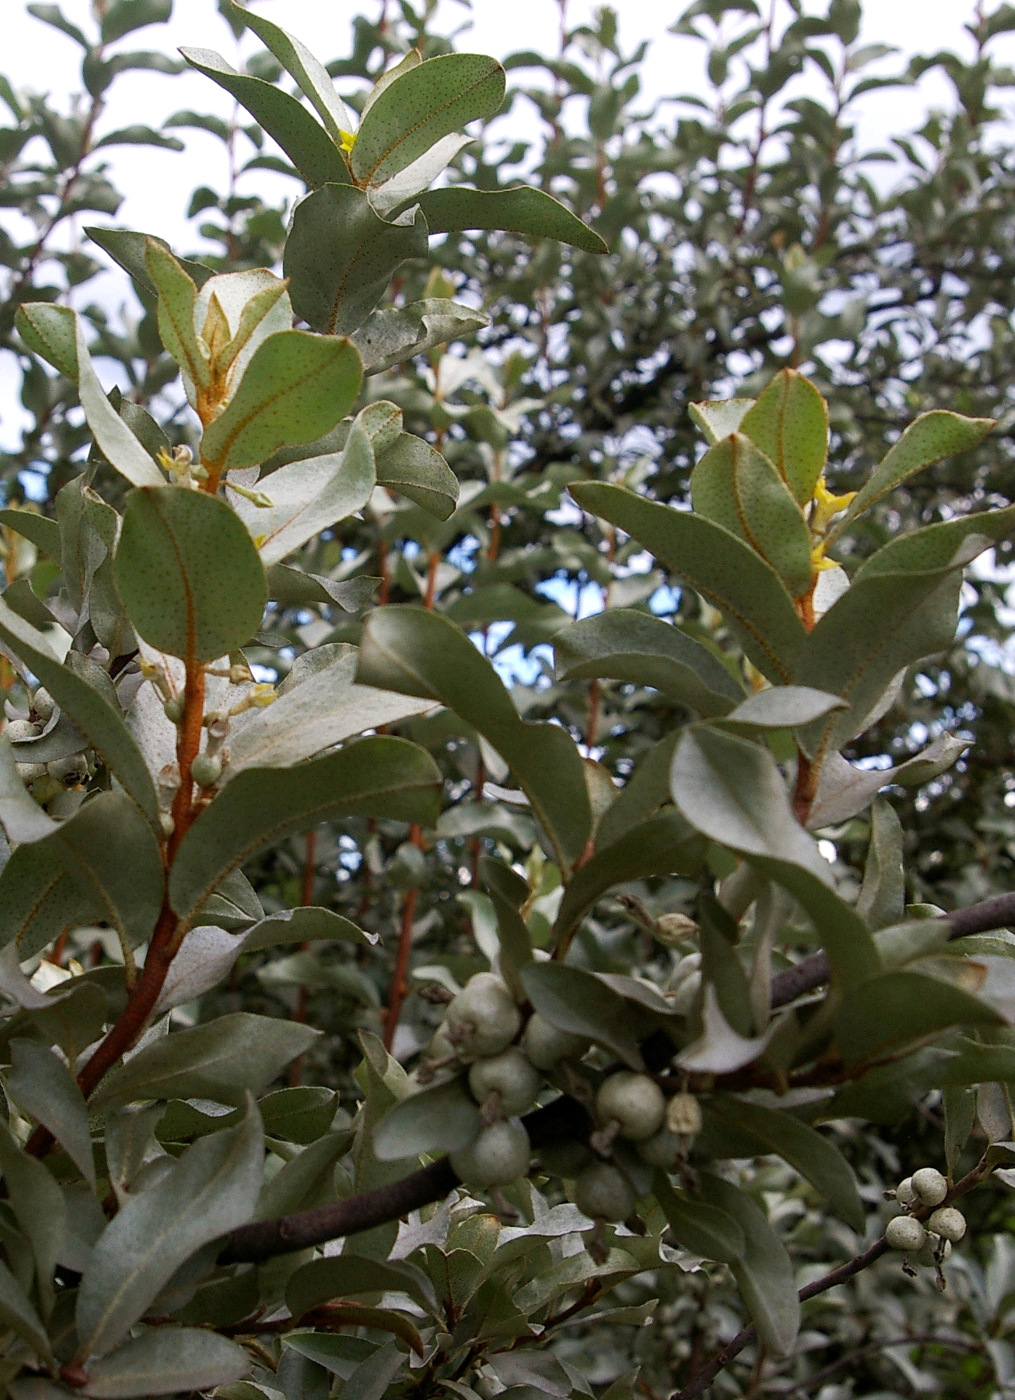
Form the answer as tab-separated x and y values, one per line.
842	1274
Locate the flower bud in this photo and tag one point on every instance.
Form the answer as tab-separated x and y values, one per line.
173	708
206	770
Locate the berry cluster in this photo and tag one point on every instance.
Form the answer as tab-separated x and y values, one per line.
509	1061
931	1242
58	784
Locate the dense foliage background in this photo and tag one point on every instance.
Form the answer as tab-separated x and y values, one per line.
747	233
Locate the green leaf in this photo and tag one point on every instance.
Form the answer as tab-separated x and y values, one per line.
732	791
44	1087
223	1060
441	1118
736	486
720	417
177	293
397	333
663	845
18	1314
307	924
306	1180
626	645
703	1229
348	1276
844	790
294	389
128	248
519	209
189	574
166	1360
789	422
340	257
812	1155
382	776
43	532
210	1190
51	331
20	815
311	76
882	897
304	141
309	496
928	439
104	864
40	1209
782	707
421	106
901	606
764	1273
414	469
724	570
898	1008
420	653
125	16
577	1001
317	707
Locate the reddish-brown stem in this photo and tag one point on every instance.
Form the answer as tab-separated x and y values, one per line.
188	746
805	788
168	933
398	981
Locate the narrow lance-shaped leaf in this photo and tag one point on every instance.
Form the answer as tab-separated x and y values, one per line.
789	422
764	1273
812	1155
626	645
309	496
420	653
382	776
295	389
55	333
731	790
724	570
736	486
44	1087
177	296
520	209
340	257
166	1361
312	78
223	1060
189	574
901	606
286	120
128	248
422	105
210	1190
928	439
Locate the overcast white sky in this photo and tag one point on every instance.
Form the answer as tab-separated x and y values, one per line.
157	184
